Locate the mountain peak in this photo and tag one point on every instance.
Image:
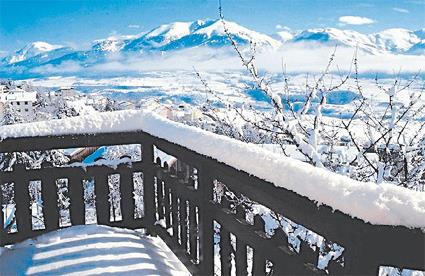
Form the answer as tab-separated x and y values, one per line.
334	36
111	44
396	39
163	35
211	33
42	46
180	35
31	50
284	36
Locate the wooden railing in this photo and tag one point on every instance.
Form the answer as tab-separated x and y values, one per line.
195	224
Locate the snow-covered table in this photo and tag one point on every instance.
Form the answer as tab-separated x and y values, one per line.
90	250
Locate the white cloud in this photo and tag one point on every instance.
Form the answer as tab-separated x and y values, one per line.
133	26
66	67
299	58
355	20
283	28
401	10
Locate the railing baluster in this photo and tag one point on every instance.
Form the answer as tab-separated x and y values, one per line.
193	232
2	231
183	223
225	251
283	263
148	185
101	191
23	202
167	205
49	195
160	198
175	217
241	250
206	223
76	194
127	196
225	242
167	198
259	261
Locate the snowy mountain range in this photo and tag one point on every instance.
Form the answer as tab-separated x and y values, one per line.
210	33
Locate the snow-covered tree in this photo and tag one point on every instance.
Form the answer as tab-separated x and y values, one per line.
370	145
11	116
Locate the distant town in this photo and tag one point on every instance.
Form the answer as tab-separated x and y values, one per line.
21	102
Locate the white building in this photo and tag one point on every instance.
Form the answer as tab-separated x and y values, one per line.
3	89
20	101
185	112
66	92
168	110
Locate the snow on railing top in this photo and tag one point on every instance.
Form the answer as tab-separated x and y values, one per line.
384	204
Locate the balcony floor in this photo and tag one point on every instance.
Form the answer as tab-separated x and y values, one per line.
90	250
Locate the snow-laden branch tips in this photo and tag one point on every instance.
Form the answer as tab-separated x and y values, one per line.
365	143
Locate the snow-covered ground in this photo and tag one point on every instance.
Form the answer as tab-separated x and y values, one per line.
90	250
184	87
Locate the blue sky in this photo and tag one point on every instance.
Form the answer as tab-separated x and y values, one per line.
78	22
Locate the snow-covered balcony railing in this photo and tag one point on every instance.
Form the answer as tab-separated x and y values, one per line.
225	204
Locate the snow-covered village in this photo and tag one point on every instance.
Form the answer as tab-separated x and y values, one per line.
232	137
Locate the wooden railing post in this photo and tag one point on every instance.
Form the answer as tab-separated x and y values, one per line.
101	190
259	260
127	197
2	231
167	206
183	223
76	195
160	199
206	223
241	251
225	251
23	202
225	242
193	233
166	203
49	195
148	185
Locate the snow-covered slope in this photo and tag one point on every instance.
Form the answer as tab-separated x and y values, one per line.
167	37
31	50
172	37
111	44
396	40
160	36
417	49
211	33
43	57
333	36
284	36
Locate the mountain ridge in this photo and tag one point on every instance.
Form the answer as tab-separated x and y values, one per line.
210	33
